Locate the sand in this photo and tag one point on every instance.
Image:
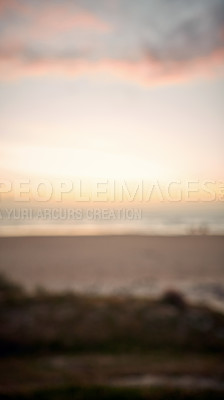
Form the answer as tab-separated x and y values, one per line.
105	262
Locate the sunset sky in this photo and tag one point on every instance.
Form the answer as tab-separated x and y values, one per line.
112	88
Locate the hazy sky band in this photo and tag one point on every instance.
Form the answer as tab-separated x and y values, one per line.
119	89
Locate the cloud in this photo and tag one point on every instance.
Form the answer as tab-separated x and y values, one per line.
197	32
50	18
60	19
150	43
146	71
13	6
4	4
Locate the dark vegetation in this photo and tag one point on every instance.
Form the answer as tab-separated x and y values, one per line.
44	323
100	338
106	393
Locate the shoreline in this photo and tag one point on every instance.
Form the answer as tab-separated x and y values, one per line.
52	232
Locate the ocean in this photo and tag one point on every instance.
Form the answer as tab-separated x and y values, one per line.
168	220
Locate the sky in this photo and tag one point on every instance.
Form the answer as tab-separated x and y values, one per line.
113	89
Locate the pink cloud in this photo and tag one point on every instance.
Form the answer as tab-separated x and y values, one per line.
13	5
60	19
146	71
5	5
48	19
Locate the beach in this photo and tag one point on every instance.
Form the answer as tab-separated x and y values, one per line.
111	264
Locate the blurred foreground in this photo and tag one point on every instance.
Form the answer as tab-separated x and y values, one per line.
66	346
